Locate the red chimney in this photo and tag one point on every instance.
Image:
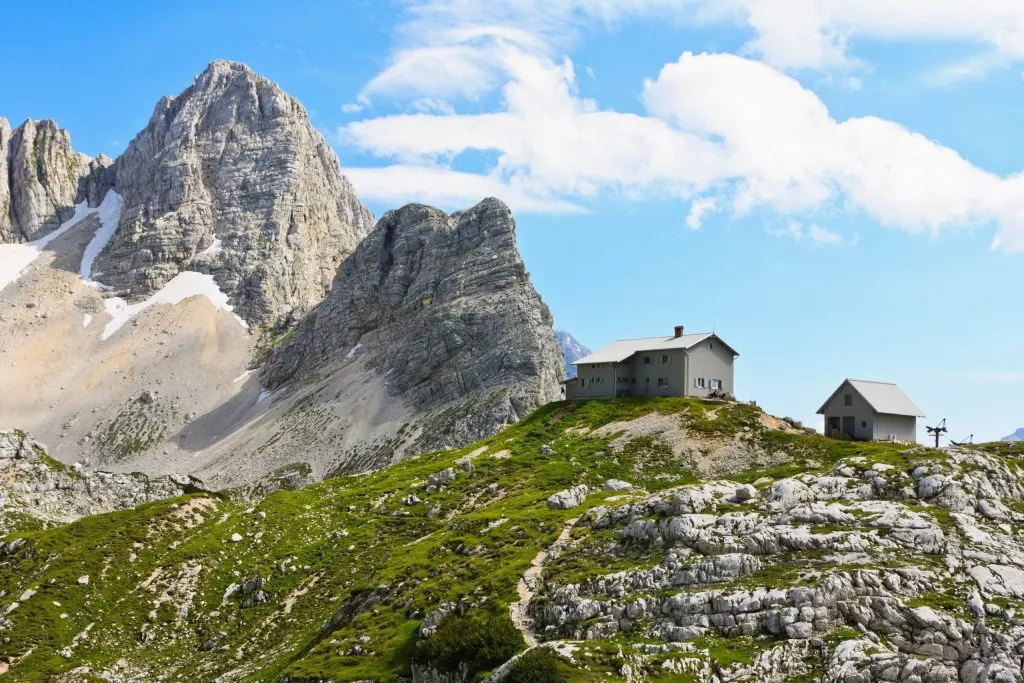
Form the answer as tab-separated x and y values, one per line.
679	331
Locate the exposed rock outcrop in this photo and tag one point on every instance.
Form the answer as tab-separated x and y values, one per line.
42	178
229	178
442	307
36	487
943	612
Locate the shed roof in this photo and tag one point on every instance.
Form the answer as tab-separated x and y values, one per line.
883	397
620	350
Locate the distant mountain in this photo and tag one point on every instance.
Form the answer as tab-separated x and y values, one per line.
1016	436
572	350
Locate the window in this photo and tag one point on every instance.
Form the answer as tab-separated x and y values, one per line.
863	424
848	400
716	384
699	382
711	346
665	358
647	360
634	380
583	382
647	379
663	381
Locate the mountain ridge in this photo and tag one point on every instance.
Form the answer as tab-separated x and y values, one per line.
1016	436
138	326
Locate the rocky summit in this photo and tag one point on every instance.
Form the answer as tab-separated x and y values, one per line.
42	178
622	540
442	307
229	178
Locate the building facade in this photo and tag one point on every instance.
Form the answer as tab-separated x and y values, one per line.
680	365
865	410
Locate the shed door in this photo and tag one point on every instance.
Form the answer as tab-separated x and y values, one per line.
849	423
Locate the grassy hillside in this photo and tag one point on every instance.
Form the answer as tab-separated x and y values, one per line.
335	580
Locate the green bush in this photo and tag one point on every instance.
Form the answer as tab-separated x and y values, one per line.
481	642
539	665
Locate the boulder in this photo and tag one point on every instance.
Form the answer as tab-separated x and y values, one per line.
568	498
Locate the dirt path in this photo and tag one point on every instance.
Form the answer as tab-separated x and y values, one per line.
529	582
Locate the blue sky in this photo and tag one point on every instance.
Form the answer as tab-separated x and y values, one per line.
833	189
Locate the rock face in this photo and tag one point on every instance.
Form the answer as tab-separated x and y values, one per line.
35	486
442	307
572	351
42	178
949	517
230	178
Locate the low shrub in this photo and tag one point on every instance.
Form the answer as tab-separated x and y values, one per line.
539	665
480	642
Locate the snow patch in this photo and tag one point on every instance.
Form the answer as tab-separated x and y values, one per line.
244	375
264	395
109	213
86	319
214	248
353	351
15	258
182	286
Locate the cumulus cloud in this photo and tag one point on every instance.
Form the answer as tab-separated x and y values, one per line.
726	133
715	125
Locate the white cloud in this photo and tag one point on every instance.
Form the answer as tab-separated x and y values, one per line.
716	124
968	69
452	46
813	233
699	207
351	108
432	105
400	184
820	235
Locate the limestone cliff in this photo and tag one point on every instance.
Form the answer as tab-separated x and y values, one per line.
230	178
42	178
441	307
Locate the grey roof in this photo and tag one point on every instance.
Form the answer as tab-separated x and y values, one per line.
883	397
620	350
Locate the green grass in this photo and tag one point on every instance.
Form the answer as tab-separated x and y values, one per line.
361	570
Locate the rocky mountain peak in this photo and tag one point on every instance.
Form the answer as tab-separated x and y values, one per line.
572	351
442	307
42	178
229	178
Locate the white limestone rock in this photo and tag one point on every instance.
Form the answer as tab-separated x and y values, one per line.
233	160
568	498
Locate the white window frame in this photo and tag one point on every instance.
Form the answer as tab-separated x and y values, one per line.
699	383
